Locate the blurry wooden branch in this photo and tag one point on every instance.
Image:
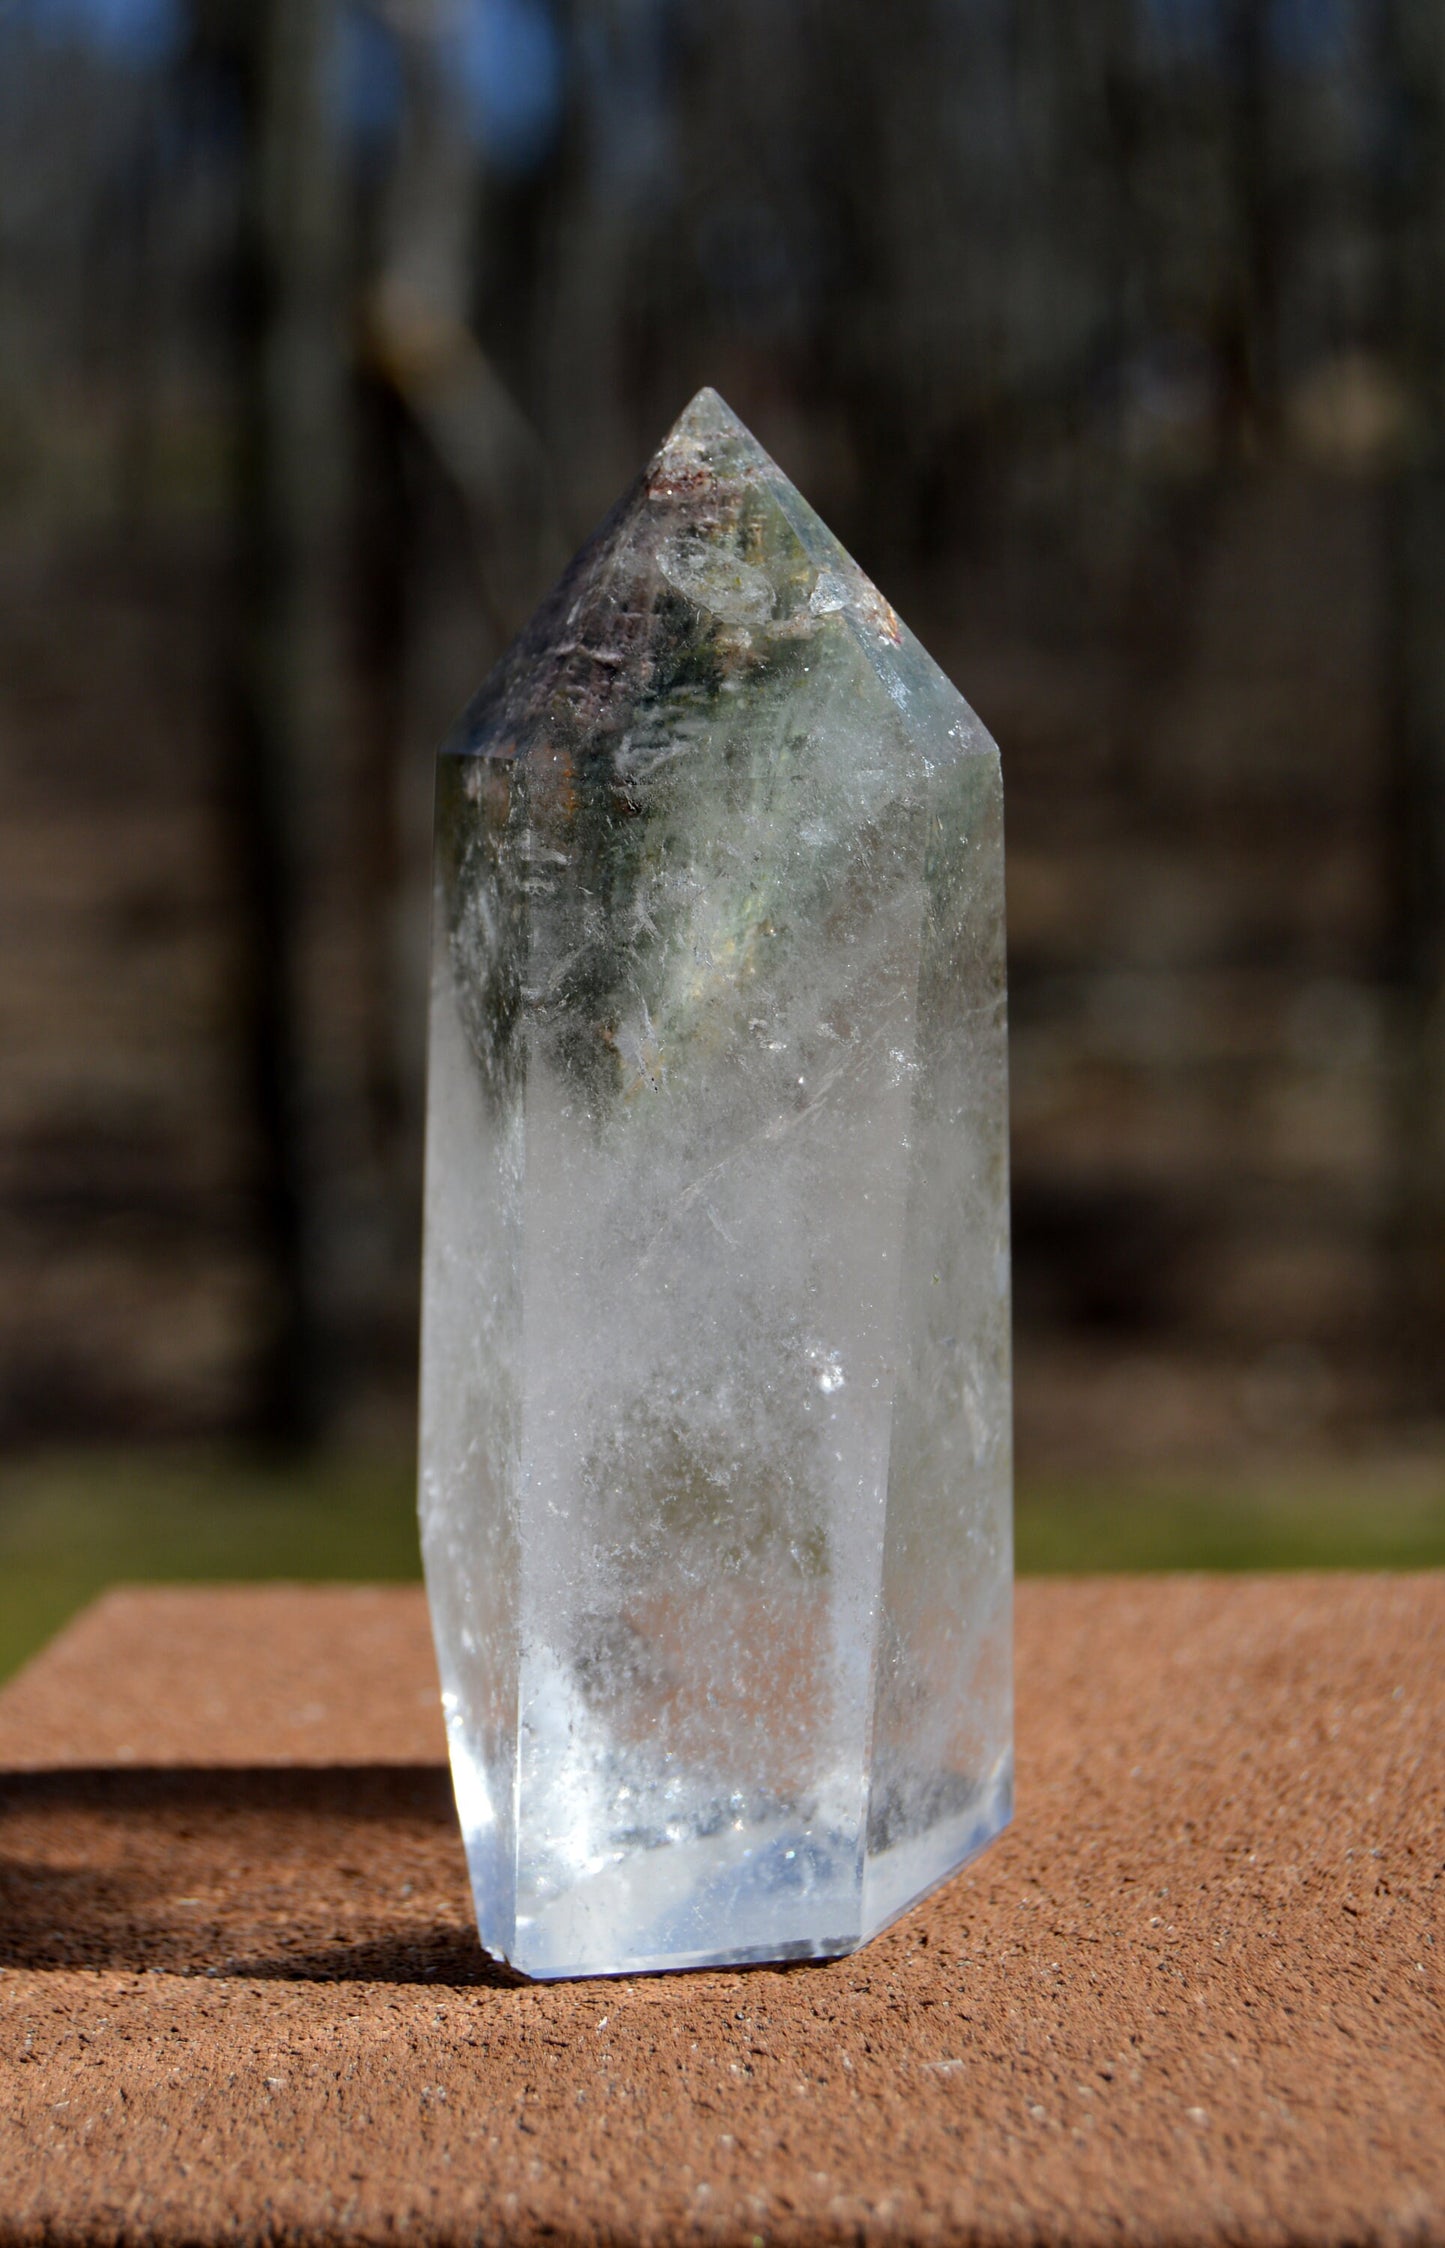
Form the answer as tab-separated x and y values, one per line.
435	366
415	331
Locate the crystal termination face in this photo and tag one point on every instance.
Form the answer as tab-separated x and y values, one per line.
715	1455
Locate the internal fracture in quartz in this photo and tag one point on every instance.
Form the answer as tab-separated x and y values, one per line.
715	1485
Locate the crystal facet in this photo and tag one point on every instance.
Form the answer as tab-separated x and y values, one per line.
715	1485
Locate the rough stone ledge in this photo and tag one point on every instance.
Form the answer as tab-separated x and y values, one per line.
1192	1996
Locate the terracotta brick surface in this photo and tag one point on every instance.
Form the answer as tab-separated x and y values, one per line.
1193	1995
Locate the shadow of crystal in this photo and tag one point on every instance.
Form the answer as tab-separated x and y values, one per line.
340	1873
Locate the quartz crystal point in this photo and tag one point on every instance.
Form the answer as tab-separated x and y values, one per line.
715	1456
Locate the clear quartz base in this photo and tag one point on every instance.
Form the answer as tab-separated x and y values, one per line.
608	1895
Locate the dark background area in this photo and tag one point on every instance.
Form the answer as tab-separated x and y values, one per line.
1110	340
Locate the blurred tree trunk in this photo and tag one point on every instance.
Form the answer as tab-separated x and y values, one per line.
381	567
288	488
1249	339
1414	229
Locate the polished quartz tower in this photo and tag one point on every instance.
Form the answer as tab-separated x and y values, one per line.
715	1456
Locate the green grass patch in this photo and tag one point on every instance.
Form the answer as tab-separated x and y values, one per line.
71	1525
1388	1515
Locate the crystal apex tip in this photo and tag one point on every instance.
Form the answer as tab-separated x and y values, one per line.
705	419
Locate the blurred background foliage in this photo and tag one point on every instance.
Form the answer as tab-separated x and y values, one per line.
1111	339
